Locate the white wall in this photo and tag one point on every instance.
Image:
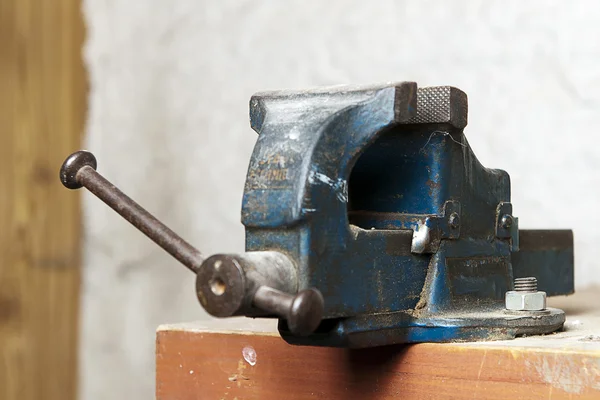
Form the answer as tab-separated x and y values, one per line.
169	88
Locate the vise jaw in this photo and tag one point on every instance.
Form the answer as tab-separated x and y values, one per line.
369	221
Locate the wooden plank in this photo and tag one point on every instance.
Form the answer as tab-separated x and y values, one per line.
42	112
195	361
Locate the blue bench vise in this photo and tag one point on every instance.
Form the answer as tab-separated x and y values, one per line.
369	221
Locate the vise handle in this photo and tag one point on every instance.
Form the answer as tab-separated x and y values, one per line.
221	292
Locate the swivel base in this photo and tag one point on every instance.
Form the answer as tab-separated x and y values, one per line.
493	323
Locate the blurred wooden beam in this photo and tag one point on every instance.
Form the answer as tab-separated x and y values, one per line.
42	112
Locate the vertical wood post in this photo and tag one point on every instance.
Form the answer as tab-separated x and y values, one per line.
42	112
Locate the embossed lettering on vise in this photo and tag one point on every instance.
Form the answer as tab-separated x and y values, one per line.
272	173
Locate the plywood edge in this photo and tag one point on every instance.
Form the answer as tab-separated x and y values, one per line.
231	326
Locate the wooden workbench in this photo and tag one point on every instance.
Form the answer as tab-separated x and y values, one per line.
218	360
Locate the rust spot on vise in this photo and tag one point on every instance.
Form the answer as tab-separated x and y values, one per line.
433	186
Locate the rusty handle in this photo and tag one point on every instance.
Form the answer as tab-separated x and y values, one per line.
79	170
303	311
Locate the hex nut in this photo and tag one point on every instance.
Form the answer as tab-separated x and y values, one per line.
525	301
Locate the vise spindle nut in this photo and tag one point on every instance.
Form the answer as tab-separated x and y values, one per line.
226	283
258	284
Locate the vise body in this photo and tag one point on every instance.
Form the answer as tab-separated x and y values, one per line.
369	221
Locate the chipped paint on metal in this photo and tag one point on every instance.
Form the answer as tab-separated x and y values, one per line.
340	186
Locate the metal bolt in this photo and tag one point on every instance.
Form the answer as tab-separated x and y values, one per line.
525	297
526	285
454	220
506	221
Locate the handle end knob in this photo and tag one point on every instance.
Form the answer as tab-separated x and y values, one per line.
306	312
72	165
